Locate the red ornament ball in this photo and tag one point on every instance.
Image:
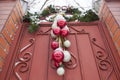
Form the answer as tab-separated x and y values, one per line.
56	31
61	23
54	45
64	32
56	64
58	56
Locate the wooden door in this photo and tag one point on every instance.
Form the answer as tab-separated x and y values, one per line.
90	46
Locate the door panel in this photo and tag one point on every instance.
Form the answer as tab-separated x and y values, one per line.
40	58
93	57
74	74
86	58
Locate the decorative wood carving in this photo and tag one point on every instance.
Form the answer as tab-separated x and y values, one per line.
82	31
103	60
22	65
43	32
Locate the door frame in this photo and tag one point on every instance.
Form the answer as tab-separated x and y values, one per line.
10	59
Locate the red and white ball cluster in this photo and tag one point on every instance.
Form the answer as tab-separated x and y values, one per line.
60	55
59	27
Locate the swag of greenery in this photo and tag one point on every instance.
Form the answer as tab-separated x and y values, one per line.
88	16
33	19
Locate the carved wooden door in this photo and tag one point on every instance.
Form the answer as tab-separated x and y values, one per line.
95	60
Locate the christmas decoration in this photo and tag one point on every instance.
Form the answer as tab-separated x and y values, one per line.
60	56
56	31
60	71
56	64
70	14
64	32
54	44
67	43
54	25
67	56
61	23
53	35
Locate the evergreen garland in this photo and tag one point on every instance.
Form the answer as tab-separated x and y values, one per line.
76	15
33	27
89	16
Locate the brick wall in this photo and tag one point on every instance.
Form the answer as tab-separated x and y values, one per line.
10	17
110	14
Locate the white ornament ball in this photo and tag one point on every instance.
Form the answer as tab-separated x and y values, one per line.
67	43
54	25
60	71
59	49
52	34
67	56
